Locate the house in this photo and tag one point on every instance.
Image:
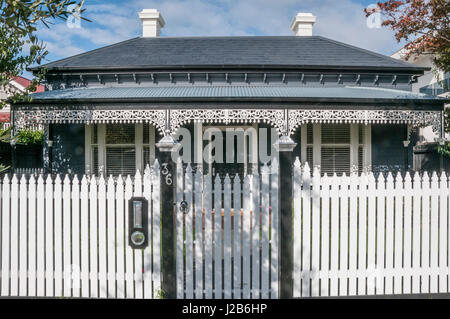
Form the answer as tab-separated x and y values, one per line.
20	84
433	82
346	108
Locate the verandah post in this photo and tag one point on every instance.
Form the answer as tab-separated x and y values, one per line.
166	146
285	146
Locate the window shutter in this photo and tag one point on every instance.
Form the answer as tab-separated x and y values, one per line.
120	160
95	160
309	156
95	134
335	134
120	134
309	134
360	159
335	159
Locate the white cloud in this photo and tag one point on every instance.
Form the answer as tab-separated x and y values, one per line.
342	20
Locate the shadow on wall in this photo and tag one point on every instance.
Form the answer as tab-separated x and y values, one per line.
68	149
27	156
426	158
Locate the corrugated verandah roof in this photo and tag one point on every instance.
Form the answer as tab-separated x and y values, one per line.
238	92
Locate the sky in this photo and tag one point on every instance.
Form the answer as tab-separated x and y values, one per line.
114	21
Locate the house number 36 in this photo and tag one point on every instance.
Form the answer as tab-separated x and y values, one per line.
166	173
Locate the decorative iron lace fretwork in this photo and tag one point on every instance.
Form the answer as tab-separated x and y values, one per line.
155	117
413	118
227	116
276	117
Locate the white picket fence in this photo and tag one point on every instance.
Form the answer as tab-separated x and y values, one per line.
360	235
227	235
69	238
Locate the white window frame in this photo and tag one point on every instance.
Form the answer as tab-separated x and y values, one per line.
354	145
101	146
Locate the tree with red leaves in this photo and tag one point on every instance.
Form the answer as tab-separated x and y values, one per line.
423	24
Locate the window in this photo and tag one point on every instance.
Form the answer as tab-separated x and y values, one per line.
336	148
119	148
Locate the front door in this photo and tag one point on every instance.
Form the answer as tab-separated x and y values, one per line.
235	153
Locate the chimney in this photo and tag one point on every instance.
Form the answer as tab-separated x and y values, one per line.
152	22
302	24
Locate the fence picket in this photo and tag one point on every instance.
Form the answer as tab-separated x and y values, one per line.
84	236
334	229
407	235
274	256
227	266
217	238
14	281
265	202
237	239
443	233
315	217
297	194
390	212
75	230
325	240
49	233
353	235
120	237
40	241
425	287
208	237
416	250
58	229
66	220
110	233
362	235
93	227
102	240
343	267
246	238
256	231
398	241
371	234
6	242
23	226
434	234
32	237
198	184
188	191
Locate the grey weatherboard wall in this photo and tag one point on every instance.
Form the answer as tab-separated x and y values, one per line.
68	149
388	152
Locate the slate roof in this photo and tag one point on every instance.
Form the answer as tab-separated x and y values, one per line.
233	92
267	52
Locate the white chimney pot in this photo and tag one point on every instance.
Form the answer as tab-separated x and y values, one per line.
152	22
302	25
